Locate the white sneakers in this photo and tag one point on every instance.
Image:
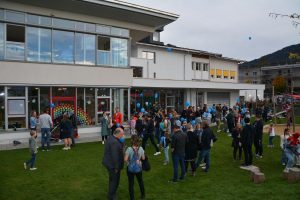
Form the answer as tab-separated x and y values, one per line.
66	148
157	153
31	169
25	165
103	142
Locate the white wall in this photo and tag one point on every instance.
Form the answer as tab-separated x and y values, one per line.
18	73
216	63
168	65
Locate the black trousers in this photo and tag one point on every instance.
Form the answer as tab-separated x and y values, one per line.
235	149
113	183
139	177
145	139
258	146
193	165
248	154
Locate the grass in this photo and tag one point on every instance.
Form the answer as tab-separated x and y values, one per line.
79	174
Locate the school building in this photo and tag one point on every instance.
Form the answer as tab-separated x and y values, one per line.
90	56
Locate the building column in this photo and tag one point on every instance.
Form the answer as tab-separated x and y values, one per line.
204	97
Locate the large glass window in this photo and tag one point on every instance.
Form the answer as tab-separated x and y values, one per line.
63	47
90	103
15	42
80	98
119	52
33	100
63	92
38	44
1	41
38	20
85	49
16	91
63	23
120	32
103	54
44	98
13	16
2	108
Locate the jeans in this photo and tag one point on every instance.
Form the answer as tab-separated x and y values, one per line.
178	159
284	159
166	152
204	154
139	177
32	160
145	139
113	183
290	158
45	132
271	140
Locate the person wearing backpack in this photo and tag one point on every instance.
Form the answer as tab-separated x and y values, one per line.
133	157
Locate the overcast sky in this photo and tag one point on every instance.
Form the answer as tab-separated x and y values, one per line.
224	26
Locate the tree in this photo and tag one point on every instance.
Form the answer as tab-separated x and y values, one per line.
279	84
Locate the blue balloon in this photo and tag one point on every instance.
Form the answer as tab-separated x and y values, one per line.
170	116
138	105
187	103
193	122
52	105
141	95
143	110
182	119
206	114
209	110
156	95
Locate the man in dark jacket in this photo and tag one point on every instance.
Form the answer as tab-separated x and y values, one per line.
113	160
247	140
178	142
230	121
149	133
205	145
258	136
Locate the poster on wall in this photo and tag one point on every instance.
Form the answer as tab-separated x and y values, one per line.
16	107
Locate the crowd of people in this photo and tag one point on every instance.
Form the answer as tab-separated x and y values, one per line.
188	136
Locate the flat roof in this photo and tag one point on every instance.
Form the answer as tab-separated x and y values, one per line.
196	51
110	9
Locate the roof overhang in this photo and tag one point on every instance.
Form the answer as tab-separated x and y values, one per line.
110	9
165	83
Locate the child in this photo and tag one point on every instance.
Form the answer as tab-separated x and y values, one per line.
283	143
132	125
271	135
33	151
292	151
164	143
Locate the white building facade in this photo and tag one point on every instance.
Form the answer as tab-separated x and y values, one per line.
177	75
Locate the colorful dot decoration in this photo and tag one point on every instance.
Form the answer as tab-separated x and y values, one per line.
82	117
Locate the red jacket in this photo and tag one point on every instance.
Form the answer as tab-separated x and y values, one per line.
118	118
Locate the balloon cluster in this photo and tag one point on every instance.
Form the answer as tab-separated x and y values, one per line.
59	110
82	117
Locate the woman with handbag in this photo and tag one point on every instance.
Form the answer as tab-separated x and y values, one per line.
133	157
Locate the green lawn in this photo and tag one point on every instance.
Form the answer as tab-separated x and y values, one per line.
78	174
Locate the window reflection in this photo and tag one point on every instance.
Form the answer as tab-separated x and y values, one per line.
63	47
85	49
38	44
119	52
